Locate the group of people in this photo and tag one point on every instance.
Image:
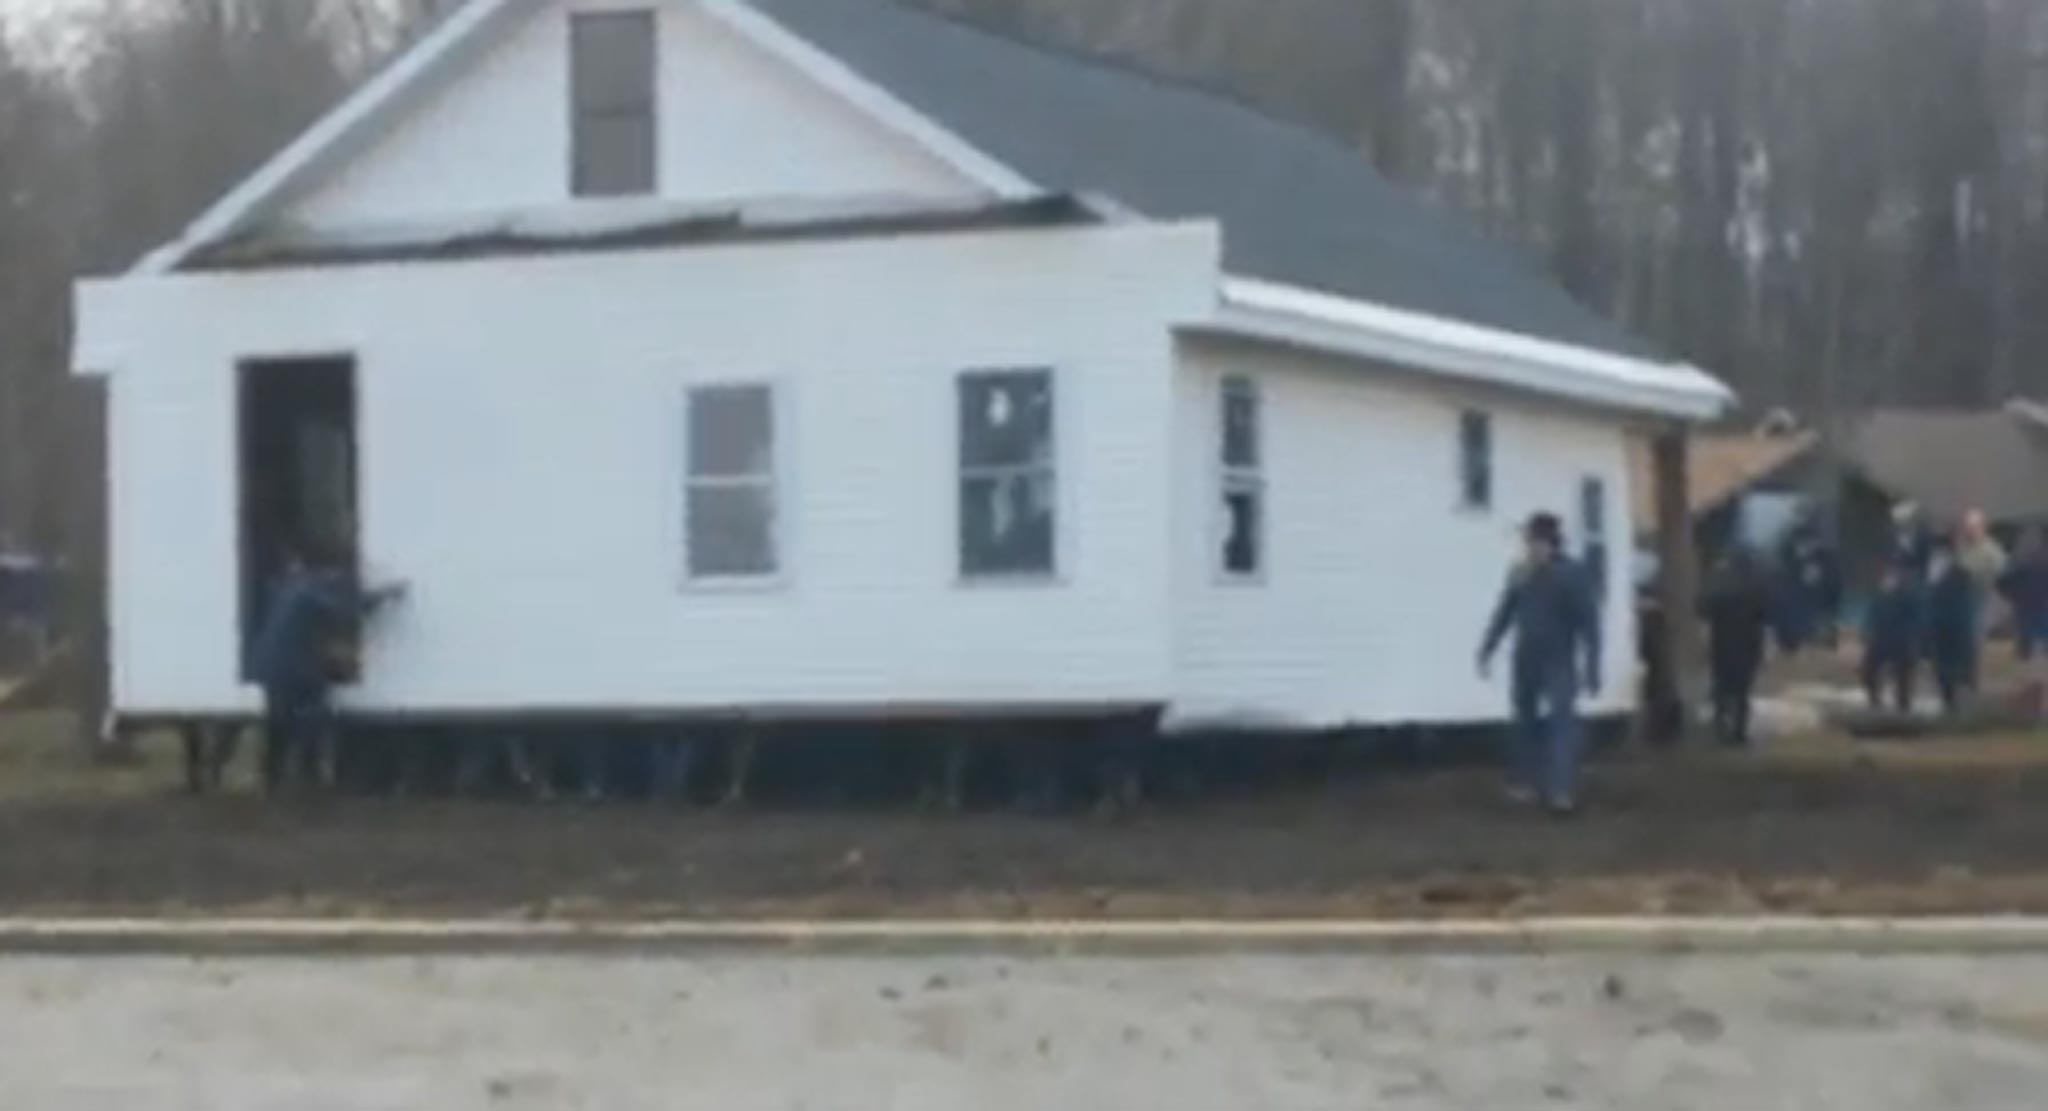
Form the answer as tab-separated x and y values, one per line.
1934	603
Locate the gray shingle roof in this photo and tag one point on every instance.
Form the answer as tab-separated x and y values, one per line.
1953	461
1296	206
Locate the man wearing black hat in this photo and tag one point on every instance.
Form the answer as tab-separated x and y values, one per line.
1549	604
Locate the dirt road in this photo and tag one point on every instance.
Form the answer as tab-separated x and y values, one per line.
991	1032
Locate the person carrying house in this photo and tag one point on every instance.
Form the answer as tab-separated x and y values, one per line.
307	612
1737	609
1892	638
1548	603
1955	625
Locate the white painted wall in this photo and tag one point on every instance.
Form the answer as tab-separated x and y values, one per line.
1377	585
521	432
735	123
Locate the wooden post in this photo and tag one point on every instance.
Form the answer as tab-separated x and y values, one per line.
1678	566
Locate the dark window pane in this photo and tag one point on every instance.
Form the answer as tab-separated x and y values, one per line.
1596	569
732	432
1006	419
1006	524
732	531
611	62
1475	450
1593	508
1240	424
1243	529
614	155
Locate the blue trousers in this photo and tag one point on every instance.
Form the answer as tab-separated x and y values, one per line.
1548	740
298	728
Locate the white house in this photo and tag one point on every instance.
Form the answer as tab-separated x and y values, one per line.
832	358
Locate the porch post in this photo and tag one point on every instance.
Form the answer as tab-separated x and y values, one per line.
1678	564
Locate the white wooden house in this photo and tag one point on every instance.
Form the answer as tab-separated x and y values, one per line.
832	358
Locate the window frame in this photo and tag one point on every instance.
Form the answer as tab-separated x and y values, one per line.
776	481
1234	477
1054	573
580	187
1594	511
1488	441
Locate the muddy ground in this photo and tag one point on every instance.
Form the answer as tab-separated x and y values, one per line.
1816	825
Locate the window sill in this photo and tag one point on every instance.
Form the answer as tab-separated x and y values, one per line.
761	584
1021	580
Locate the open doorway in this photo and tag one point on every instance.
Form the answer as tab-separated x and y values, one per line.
298	478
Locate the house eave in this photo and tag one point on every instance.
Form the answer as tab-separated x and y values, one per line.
1270	312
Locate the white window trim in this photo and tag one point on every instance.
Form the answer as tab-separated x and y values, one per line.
1464	503
1230	477
1062	521
778	481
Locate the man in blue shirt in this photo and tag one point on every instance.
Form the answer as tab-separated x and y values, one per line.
306	614
1549	605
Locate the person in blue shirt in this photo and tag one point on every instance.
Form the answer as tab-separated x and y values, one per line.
1737	609
306	613
1549	605
2025	586
1954	624
1892	638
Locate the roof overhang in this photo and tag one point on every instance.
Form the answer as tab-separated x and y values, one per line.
1270	312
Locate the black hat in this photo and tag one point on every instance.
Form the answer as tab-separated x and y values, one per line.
1546	528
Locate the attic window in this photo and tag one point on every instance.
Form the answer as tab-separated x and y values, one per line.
611	75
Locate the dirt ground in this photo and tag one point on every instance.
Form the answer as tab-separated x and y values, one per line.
1816	825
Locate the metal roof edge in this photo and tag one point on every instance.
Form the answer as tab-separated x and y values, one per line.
1275	312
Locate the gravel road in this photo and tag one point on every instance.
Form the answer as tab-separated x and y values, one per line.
1230	1033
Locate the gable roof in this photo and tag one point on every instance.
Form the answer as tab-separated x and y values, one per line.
1298	208
1953	461
1722	468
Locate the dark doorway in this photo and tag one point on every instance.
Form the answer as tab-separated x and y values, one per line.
298	476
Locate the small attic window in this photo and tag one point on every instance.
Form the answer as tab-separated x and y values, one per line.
611	77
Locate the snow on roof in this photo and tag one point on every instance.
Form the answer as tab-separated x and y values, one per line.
616	224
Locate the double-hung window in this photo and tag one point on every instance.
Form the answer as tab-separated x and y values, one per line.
612	103
1475	460
1009	478
730	498
1243	480
1593	531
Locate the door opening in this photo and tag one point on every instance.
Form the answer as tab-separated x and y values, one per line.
298	479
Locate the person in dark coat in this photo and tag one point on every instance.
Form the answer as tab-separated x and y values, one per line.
1954	626
2025	586
1892	639
1737	609
306	611
1549	605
